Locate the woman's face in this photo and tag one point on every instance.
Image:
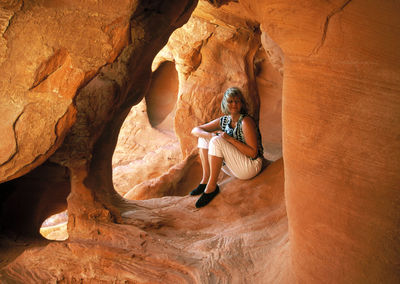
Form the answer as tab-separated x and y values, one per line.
234	104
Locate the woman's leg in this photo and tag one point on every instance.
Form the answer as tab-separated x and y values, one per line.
241	166
203	151
215	168
205	165
212	188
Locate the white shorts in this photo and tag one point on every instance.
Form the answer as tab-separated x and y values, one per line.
236	163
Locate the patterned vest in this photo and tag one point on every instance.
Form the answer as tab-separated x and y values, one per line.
237	132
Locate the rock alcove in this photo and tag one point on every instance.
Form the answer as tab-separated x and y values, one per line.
326	212
148	160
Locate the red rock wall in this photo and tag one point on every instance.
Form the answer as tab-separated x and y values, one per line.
46	56
269	81
340	119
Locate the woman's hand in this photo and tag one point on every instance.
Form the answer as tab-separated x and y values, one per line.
225	136
249	148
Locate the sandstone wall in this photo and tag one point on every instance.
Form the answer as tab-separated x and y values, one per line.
340	136
46	56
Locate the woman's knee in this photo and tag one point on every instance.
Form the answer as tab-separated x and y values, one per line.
215	146
203	143
218	141
244	168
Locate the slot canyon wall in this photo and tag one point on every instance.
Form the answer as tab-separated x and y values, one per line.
327	212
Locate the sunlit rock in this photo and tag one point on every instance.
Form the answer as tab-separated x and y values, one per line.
55	227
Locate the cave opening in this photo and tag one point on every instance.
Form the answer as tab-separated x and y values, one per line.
27	201
55	227
147	144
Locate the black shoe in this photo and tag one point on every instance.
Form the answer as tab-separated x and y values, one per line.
199	189
206	198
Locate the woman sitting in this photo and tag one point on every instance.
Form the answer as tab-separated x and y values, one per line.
233	140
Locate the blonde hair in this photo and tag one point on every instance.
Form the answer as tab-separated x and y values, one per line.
230	93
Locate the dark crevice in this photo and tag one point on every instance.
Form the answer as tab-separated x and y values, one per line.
27	201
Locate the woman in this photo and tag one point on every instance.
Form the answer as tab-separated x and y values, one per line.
233	139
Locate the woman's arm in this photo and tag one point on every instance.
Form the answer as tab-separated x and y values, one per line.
207	130
250	149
